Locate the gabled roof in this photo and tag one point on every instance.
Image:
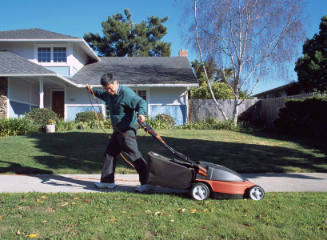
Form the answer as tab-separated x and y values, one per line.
33	33
40	35
12	64
163	71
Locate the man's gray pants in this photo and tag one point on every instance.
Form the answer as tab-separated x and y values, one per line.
123	142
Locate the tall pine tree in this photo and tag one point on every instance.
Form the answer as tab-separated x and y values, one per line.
121	37
312	67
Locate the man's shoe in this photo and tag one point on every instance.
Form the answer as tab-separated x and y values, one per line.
105	185
145	188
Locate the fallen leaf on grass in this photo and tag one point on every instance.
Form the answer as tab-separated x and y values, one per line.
39	200
193	210
18	232
180	210
172	220
44	197
64	204
1	217
157	213
33	235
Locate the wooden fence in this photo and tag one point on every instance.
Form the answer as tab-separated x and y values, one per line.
264	111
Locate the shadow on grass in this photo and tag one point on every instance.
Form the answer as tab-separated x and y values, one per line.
245	158
319	144
19	169
82	152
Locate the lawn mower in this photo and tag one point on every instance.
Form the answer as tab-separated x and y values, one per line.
201	179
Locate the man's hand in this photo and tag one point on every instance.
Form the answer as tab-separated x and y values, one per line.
88	87
141	117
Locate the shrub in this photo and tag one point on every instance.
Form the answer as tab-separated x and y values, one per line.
14	127
61	125
169	120
88	116
209	124
41	116
157	124
304	117
107	123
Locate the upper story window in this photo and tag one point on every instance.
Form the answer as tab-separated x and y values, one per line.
44	54
56	54
59	54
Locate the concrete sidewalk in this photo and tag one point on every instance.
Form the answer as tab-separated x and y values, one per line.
274	182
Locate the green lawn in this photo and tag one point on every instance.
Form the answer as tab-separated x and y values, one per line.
82	151
135	216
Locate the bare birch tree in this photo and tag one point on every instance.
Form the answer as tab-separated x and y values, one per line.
250	37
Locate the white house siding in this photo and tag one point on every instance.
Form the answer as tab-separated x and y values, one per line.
25	50
77	60
169	100
77	100
20	95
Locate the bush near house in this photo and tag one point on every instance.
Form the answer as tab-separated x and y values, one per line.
166	118
304	117
88	116
41	116
14	127
210	124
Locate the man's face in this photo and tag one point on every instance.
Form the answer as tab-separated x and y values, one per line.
111	88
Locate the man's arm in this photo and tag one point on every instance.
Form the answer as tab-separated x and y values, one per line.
137	103
98	93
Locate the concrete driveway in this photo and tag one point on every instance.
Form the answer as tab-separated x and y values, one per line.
271	182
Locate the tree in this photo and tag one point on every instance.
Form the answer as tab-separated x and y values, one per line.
248	37
312	67
218	79
121	37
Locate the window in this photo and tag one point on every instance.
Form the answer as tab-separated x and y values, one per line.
142	94
44	54
59	54
49	54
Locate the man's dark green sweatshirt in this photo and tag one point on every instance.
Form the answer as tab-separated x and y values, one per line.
123	107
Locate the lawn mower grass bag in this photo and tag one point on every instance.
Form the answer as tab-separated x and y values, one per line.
165	172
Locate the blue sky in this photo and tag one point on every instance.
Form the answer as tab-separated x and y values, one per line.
76	17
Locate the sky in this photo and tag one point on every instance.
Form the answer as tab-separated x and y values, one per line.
76	17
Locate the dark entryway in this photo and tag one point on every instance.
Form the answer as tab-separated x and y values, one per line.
58	103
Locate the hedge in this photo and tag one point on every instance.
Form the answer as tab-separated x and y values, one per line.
304	117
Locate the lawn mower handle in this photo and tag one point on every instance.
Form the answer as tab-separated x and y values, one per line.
177	154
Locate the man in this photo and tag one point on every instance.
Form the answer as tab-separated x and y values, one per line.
123	104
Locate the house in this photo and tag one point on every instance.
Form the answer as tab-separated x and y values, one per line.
43	69
289	89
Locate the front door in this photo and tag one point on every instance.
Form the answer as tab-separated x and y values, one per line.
58	103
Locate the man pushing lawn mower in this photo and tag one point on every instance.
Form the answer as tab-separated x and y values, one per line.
123	104
202	179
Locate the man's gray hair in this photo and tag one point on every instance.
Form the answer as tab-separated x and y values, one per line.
106	79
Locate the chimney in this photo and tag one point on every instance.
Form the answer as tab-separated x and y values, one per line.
182	53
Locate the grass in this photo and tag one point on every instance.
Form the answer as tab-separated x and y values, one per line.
134	216
245	152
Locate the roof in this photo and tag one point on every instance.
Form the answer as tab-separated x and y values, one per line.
12	64
33	33
139	71
40	35
274	90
